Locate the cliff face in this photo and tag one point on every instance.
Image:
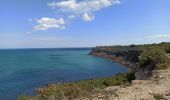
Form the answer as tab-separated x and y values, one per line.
127	56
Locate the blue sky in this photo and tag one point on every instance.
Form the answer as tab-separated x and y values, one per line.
82	23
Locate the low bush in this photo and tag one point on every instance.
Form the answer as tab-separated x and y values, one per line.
162	66
153	56
158	96
78	89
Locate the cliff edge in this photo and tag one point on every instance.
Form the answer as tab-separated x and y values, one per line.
157	87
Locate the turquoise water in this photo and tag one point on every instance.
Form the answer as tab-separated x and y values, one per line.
21	71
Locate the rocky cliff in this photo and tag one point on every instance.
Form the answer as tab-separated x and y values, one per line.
128	56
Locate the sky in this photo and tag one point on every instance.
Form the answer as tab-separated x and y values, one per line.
82	23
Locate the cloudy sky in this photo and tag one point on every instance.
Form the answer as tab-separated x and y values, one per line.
82	23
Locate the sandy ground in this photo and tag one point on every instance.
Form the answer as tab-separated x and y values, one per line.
155	88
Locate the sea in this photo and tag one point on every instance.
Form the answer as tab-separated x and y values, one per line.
24	70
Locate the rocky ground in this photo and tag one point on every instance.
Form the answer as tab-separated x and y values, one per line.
155	88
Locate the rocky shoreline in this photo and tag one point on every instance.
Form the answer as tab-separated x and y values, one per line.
150	84
117	59
127	56
148	77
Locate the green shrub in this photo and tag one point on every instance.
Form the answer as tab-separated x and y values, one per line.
78	89
158	96
23	97
153	56
162	66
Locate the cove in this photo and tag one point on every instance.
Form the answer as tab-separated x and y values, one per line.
24	70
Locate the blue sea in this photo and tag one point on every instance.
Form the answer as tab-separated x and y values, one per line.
24	70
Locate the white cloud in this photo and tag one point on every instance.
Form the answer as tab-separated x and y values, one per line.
161	36
87	17
46	23
71	9
83	8
71	16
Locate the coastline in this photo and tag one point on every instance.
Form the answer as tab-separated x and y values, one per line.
116	57
121	86
96	84
50	66
118	60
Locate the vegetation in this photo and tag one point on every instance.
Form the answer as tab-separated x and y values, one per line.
78	89
158	96
155	54
151	55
